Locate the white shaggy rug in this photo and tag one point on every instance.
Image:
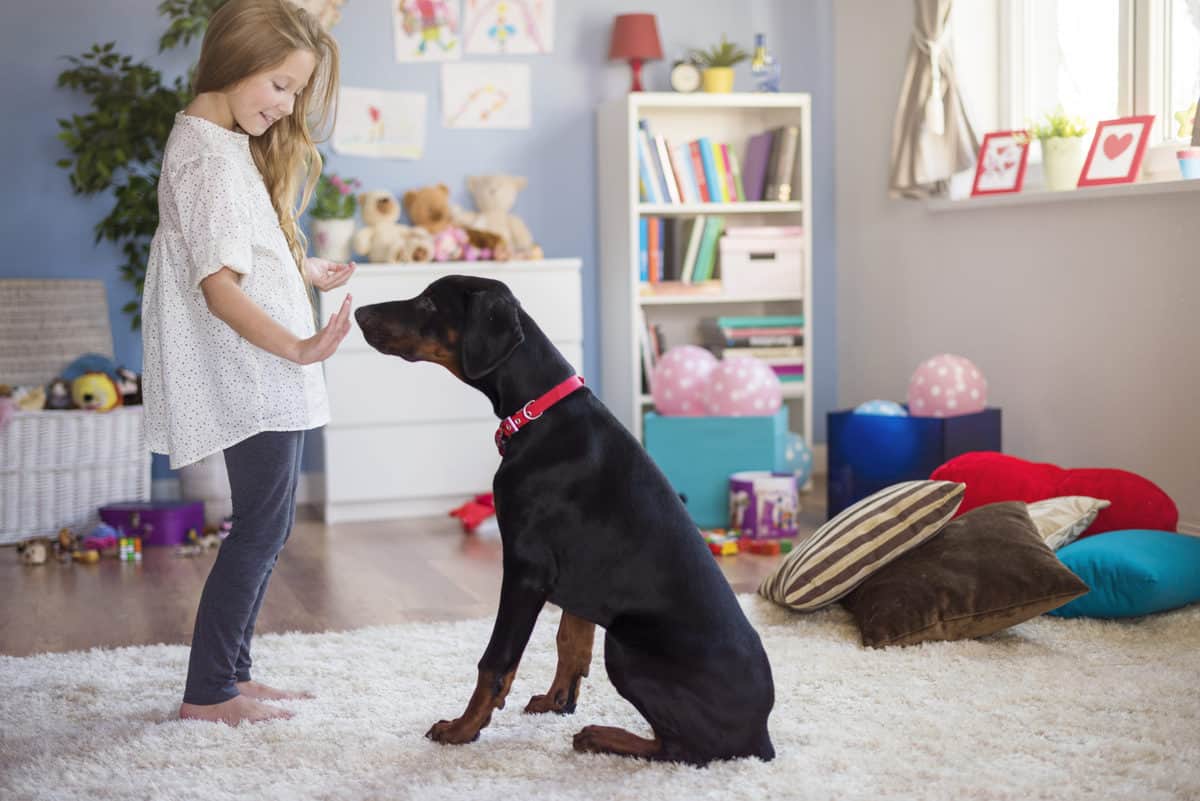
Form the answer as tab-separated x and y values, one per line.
1052	709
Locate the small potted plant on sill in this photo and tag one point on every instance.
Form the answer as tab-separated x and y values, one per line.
1063	148
717	64
333	217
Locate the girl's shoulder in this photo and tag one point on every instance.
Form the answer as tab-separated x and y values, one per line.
193	138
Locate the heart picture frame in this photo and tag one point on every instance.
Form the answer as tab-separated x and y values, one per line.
1000	168
1115	156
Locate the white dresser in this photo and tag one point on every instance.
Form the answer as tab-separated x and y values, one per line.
409	439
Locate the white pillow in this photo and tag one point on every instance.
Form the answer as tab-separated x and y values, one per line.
1060	521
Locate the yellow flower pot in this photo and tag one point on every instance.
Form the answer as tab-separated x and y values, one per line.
718	79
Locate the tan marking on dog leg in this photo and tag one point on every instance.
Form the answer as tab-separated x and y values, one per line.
575	638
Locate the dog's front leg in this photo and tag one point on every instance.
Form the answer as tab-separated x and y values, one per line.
575	637
520	603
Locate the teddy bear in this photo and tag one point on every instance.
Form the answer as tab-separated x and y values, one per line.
385	238
494	196
429	208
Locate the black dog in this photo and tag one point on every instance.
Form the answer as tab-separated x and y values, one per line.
590	524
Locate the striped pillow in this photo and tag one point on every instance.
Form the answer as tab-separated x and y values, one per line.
861	540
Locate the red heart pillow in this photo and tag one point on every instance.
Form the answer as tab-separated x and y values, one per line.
992	477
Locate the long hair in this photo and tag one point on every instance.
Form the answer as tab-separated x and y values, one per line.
245	37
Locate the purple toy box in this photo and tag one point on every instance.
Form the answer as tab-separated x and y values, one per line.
157	522
763	505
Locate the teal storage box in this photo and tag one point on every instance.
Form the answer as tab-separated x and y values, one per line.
697	455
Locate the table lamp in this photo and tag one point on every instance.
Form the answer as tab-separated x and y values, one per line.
635	38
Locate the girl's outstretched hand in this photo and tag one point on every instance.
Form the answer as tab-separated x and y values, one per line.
326	275
321	346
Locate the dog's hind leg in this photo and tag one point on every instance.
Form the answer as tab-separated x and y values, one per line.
520	604
575	638
611	740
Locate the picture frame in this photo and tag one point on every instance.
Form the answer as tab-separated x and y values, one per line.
1118	146
1000	168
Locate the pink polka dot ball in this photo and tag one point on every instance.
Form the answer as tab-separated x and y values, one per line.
742	386
677	383
945	386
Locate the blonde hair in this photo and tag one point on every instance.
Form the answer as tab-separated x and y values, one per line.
246	37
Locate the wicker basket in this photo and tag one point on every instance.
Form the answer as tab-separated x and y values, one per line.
58	468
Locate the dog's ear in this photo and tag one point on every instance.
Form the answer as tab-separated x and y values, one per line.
492	332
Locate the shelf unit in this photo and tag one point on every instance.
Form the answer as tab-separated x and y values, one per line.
730	118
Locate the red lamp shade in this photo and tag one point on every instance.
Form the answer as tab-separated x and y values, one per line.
635	38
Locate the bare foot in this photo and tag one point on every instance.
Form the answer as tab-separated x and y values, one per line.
264	693
239	709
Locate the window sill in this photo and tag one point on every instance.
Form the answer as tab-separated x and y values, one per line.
1041	196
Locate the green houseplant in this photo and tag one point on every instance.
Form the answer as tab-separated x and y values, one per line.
332	214
117	145
718	63
1062	140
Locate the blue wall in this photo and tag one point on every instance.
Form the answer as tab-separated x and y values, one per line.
49	231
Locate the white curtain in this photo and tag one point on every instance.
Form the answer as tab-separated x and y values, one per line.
931	137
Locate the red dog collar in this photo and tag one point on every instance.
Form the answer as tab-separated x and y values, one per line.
533	410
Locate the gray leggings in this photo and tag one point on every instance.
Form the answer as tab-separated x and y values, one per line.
263	472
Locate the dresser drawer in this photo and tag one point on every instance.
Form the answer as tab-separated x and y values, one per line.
410	461
368	387
550	296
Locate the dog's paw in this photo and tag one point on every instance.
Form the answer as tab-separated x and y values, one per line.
555	701
453	732
592	739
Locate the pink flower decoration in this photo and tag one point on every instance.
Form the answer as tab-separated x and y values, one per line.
339	185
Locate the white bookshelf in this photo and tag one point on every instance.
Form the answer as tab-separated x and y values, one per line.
729	118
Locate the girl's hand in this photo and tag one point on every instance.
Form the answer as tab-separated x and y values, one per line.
326	275
321	346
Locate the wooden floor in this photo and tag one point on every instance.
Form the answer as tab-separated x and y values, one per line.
335	577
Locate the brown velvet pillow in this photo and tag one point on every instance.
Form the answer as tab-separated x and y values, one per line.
985	571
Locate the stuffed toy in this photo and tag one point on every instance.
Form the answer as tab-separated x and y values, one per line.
495	196
429	208
34	552
129	384
58	395
96	392
29	399
8	410
385	239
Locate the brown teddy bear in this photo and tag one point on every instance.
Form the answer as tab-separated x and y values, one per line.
385	239
429	208
495	195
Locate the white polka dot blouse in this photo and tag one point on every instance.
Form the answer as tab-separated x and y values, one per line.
206	388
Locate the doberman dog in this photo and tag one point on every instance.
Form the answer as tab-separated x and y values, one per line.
589	523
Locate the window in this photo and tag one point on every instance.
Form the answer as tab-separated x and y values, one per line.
1099	59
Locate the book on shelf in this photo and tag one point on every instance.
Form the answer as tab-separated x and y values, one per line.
679	289
704	268
643	249
765	231
782	164
763	332
704	171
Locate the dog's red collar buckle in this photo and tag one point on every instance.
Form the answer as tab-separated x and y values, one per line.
533	410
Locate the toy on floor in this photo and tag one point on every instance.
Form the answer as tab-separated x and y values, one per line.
212	538
102	539
129	549
35	551
763	505
766	547
720	541
475	511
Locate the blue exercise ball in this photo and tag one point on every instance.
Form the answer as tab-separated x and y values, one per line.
884	407
798	458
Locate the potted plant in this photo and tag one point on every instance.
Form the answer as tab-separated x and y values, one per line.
333	217
717	63
1063	148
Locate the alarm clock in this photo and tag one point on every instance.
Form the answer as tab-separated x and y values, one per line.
685	76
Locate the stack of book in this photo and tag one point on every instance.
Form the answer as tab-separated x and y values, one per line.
682	250
777	340
703	171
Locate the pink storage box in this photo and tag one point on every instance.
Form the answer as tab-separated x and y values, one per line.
156	522
762	265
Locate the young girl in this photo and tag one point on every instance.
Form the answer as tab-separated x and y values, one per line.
231	355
